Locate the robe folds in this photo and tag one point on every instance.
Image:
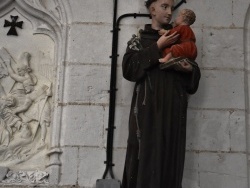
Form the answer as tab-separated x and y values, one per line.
158	108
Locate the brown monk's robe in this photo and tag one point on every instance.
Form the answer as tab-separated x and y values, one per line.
162	106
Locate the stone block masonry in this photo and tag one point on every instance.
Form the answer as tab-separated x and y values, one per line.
217	126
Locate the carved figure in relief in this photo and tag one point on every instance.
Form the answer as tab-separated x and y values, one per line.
24	72
9	121
6	113
24	108
37	107
34	98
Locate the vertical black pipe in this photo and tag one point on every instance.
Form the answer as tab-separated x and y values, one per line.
179	4
112	97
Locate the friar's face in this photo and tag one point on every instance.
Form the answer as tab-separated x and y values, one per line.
161	11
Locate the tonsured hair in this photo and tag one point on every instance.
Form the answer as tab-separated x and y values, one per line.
149	2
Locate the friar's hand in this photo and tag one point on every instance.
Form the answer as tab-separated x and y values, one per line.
166	40
184	66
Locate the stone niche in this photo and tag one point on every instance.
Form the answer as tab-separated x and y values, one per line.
32	52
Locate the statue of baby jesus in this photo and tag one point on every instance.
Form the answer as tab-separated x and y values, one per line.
185	46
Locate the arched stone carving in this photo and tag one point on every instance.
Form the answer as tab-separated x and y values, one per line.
247	85
31	90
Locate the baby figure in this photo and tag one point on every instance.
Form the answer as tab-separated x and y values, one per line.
185	46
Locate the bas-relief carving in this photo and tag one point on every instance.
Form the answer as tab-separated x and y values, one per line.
25	111
44	38
26	74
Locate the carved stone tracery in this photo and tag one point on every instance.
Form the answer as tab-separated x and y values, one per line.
27	177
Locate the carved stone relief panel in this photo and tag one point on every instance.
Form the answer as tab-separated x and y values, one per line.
26	78
29	57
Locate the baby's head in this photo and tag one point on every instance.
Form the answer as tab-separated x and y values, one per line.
188	16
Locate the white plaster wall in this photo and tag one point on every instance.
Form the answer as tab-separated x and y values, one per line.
216	130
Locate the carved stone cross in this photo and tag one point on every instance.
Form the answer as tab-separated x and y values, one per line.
13	25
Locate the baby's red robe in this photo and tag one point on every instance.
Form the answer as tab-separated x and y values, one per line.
185	46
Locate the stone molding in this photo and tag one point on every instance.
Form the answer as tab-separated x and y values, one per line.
247	88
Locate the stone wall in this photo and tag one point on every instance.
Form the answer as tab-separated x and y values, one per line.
218	114
216	131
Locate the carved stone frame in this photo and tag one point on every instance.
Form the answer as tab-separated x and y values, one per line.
57	30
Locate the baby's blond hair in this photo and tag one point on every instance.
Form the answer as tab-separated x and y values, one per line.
189	16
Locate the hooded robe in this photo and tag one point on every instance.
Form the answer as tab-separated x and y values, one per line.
157	116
